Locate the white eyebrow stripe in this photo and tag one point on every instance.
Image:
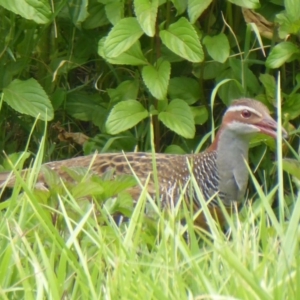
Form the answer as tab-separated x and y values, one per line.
236	125
243	107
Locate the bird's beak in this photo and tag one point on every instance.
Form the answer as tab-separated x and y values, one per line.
269	126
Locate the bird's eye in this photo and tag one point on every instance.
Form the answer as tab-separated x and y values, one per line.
246	114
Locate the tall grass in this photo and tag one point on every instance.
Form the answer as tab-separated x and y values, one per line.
53	246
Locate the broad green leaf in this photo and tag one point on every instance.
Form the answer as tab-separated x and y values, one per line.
291	107
182	39
146	12
36	10
249	79
196	8
115	186
86	188
211	70
58	97
123	35
28	97
86	107
96	18
16	158
157	78
179	118
180	6
200	114
114	11
269	84
281	53
292	8
288	24
174	149
229	89
168	55
125	115
217	47
184	88
126	90
291	166
252	4
78	10
133	56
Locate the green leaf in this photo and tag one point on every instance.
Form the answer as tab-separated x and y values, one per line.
126	90
179	118
123	35
217	47
174	149
281	53
125	115
292	8
86	188
182	39
211	70
28	97
196	8
114	11
86	107
133	56
180	6
16	158
146	12
96	18
157	78
200	114
58	97
251	83
184	88
78	10
288	24
269	84
168	55
230	89
36	10
291	166
291	107
252	4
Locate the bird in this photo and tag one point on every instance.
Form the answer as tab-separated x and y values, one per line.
220	171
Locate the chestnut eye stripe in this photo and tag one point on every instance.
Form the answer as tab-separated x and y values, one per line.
241	108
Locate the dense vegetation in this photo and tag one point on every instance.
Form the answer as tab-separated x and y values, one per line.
84	75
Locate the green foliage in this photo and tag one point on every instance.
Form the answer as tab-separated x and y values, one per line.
214	44
292	166
123	35
181	38
157	78
37	11
125	115
281	53
179	118
114	63
64	243
28	97
105	67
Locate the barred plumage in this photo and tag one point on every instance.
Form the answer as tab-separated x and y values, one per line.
219	170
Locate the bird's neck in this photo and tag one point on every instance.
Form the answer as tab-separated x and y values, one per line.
232	152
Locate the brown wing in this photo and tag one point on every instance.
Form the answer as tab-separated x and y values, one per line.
168	166
171	169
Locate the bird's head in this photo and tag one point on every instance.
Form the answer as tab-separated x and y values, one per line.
246	117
